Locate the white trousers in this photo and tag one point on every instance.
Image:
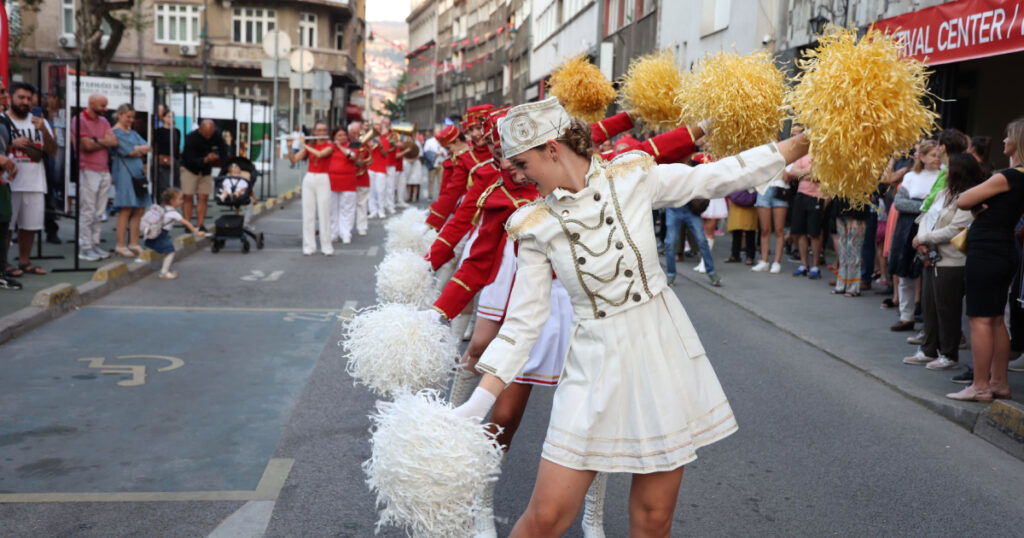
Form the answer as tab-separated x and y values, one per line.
392	184
403	180
378	193
92	194
344	214
316	207
907	287
362	200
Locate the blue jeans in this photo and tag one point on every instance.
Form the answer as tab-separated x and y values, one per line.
674	217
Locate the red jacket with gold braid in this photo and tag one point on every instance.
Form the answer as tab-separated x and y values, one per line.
607	128
458	182
671	147
496	203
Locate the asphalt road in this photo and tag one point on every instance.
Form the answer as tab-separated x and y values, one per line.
260	430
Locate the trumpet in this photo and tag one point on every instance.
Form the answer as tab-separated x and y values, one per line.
369	135
404	128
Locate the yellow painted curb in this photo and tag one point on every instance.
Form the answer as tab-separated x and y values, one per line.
270	203
150	255
110	271
258	207
57	295
183	241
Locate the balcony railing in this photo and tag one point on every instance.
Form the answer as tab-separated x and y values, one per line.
251	56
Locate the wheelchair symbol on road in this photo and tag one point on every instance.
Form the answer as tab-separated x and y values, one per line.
137	371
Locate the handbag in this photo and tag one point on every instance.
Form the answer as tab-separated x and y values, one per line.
743	198
140	184
698	205
960	241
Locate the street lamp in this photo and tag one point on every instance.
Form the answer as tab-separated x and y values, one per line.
818	23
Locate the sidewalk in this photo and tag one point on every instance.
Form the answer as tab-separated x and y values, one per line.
14	300
853	330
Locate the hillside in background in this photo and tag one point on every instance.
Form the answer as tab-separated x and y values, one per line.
385	61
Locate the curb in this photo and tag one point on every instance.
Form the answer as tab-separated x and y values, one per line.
55	301
1000	423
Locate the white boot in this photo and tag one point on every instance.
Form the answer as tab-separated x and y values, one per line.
483	522
460	323
593	508
700	267
463	384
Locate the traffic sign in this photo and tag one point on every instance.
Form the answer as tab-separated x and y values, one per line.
283	69
302	61
322	80
278	39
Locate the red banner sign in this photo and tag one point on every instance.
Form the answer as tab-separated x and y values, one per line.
5	39
958	31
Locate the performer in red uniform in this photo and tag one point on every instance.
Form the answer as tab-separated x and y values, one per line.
451	139
355	130
342	172
381	152
464	162
316	192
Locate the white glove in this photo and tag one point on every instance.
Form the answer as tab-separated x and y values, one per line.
477	406
705	125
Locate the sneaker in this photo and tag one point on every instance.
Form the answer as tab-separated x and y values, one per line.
1017	365
88	255
942	363
917	339
918	358
100	253
965	378
776	268
8	283
761	267
716	280
361	232
671	279
700	268
800	271
814	274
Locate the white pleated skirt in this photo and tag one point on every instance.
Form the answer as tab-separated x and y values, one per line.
548	354
637	393
717	209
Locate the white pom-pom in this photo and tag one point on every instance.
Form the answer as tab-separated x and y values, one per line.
394	348
427	466
405	277
409	230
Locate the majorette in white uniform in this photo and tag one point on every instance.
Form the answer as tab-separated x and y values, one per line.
637	393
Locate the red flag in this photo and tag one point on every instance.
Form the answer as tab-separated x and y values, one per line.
5	39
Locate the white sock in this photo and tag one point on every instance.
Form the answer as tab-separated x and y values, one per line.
168	260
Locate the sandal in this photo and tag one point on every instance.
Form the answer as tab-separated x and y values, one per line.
852	294
14	272
29	269
748	261
124	252
838	292
730	259
136	249
169	275
888	303
971	395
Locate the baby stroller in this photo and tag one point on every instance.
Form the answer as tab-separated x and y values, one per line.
235	191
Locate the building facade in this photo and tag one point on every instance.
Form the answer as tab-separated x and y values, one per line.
974	76
170	46
419	94
717	25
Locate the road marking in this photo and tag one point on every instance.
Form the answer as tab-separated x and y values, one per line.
280	220
257	275
213	308
372	251
348	310
268	489
251	520
137	371
337	251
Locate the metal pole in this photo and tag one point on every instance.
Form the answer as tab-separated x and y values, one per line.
77	172
272	157
206	45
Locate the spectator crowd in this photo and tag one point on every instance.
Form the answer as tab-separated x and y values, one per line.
940	242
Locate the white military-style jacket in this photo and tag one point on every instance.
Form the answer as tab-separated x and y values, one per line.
600	241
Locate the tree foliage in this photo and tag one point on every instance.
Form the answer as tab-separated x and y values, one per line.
395	108
94	19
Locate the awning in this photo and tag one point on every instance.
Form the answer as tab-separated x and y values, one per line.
958	31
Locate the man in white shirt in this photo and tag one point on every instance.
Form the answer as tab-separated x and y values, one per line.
31	141
435	154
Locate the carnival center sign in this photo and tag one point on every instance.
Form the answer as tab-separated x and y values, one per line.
959	31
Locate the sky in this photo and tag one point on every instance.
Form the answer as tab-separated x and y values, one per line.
387	10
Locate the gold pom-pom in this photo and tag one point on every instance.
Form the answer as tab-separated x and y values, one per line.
582	89
861	103
742	96
648	89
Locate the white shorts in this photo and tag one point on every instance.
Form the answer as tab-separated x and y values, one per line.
548	354
28	210
493	298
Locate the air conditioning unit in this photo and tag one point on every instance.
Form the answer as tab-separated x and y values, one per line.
67	41
189	50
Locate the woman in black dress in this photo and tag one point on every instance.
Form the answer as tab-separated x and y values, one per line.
991	265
